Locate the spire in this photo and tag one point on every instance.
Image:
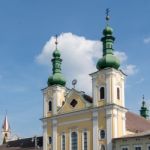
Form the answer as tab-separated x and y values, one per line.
5	130
6	126
57	78
108	59
144	110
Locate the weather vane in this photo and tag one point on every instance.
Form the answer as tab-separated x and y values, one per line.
107	15
56	42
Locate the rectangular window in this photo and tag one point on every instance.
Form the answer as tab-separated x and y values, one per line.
63	142
74	141
124	148
138	148
85	140
50	140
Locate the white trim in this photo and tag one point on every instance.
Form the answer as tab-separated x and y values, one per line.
123	93
94	91
54	135
109	128
45	141
123	123
95	130
100	108
115	118
74	121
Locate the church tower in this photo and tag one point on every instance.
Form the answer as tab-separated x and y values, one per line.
5	130
144	112
53	99
108	91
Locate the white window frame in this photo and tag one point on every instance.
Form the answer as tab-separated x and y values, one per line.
74	130
62	140
88	142
135	146
125	147
148	145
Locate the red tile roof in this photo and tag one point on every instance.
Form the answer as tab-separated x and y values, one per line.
136	123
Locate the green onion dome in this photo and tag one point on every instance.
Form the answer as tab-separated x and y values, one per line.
56	53
108	59
57	78
107	31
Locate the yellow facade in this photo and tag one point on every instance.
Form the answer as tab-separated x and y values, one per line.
96	117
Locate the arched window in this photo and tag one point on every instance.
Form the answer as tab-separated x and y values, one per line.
102	93
74	141
85	140
63	143
118	93
102	147
50	106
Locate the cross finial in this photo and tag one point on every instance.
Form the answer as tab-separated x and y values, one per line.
143	97
56	42
107	15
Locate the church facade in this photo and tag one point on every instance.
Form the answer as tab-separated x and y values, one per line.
73	120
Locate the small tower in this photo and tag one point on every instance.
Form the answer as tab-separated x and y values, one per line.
53	97
144	110
5	130
108	91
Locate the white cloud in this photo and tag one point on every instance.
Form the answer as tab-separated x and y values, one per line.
130	69
147	40
78	55
121	55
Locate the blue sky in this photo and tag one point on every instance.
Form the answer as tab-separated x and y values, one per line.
26	27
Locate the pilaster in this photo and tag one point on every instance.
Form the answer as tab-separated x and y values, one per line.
95	130
45	141
109	128
54	134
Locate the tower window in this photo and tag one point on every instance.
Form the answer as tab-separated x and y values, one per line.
50	139
50	106
102	93
118	93
73	103
102	134
74	141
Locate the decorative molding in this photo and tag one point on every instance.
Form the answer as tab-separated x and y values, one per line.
74	121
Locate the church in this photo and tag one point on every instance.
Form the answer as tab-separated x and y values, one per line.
73	120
